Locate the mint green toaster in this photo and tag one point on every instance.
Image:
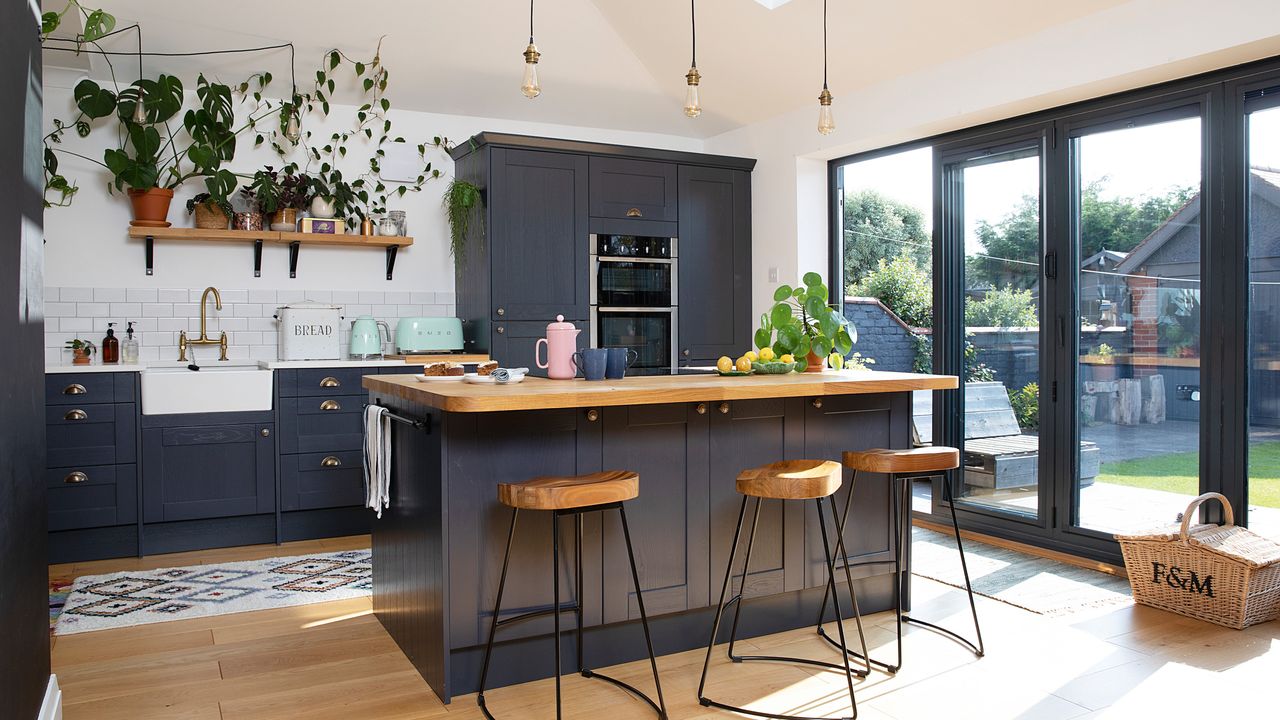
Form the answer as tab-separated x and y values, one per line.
428	334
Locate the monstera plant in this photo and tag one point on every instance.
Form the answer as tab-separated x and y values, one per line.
803	325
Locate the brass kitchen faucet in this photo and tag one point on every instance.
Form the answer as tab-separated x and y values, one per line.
204	338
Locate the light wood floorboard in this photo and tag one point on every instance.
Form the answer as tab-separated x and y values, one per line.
334	660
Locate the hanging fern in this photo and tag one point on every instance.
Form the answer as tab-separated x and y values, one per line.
463	202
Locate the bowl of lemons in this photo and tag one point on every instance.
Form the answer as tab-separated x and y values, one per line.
729	367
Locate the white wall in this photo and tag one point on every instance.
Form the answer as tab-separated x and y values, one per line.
86	244
1136	44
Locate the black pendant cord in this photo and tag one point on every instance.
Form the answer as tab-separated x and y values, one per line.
824	44
530	22
693	25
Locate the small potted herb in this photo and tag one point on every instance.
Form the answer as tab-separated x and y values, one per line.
281	195
81	351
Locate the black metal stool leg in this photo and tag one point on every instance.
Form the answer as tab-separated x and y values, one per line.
853	593
661	707
497	607
577	544
979	649
724	590
835	602
840	523
555	574
742	589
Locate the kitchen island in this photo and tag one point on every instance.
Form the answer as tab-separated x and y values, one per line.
438	548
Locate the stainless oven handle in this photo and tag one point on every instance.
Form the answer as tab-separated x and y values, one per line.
635	309
630	259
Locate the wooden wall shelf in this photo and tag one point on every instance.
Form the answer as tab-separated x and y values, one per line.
295	240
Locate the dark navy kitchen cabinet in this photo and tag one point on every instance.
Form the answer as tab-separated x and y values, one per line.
322	424
529	261
715	264
539	242
195	467
626	188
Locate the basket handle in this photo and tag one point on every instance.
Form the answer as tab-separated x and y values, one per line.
1195	504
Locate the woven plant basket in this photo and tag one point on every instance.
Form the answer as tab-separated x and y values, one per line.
1224	574
210	217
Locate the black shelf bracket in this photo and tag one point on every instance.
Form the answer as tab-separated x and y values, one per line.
151	251
293	258
257	257
391	259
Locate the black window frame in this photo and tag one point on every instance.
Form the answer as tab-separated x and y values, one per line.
1223	97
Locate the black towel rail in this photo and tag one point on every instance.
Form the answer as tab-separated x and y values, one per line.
419	424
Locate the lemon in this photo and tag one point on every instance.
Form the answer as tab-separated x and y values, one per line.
752	356
766	354
787	358
724	364
744	364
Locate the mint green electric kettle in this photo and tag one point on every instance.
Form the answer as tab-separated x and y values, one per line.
366	337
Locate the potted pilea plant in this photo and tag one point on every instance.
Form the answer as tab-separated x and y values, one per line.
81	351
803	325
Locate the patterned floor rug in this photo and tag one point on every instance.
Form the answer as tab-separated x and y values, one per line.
100	602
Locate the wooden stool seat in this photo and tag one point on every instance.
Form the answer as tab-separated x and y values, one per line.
919	460
791	480
553	492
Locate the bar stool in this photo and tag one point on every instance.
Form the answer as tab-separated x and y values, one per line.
571	495
904	466
815	480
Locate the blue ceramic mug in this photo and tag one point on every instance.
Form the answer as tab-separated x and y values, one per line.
620	358
591	362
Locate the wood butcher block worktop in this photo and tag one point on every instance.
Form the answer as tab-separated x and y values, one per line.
542	394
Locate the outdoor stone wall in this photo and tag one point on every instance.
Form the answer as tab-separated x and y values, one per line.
1013	353
881	334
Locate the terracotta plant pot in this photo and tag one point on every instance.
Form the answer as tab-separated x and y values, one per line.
284	220
816	363
80	356
248	221
150	206
209	216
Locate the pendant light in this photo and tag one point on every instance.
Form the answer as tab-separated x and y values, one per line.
693	108
529	86
292	129
139	111
826	120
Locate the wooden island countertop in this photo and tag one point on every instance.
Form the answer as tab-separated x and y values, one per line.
543	394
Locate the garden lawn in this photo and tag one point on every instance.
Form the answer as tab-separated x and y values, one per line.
1179	473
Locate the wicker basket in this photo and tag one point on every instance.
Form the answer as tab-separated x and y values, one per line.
1224	574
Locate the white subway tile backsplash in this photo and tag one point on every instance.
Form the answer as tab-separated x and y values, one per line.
356	310
384	311
148	354
67	294
59	309
261	296
446	298
52	356
408	310
422	298
245	310
261	324
185	309
90	309
172	324
74	324
125	310
157	310
397	298
231	324
234	296
50	295
174	295
108	295
288	296
346	297
372	298
142	295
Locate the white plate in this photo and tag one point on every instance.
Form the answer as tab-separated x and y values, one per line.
488	379
439	378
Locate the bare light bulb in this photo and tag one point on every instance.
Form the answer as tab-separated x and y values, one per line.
292	130
692	106
826	119
139	111
529	86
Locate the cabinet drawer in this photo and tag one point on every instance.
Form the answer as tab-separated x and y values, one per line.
313	481
89	388
319	424
321	382
192	472
621	188
91	496
90	435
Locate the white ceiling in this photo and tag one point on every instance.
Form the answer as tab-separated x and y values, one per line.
606	63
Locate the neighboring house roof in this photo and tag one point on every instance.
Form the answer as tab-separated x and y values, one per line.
1110	256
1264	185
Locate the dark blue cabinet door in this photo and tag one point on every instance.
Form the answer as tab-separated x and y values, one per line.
715	263
313	481
538	235
667	446
91	496
625	188
208	471
90	434
319	424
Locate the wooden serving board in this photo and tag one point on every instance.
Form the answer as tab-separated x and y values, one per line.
440	357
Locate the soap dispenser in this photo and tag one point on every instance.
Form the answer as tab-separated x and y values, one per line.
129	348
110	347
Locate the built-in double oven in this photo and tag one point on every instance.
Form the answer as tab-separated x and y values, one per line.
634	298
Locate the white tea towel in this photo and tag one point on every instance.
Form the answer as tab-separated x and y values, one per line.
377	458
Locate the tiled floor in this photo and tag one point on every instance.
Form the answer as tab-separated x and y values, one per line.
335	661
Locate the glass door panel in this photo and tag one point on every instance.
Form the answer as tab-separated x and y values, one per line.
1003	244
1264	321
1136	215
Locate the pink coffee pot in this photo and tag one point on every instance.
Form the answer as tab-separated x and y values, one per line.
562	343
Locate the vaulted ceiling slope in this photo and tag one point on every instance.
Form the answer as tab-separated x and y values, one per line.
606	63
